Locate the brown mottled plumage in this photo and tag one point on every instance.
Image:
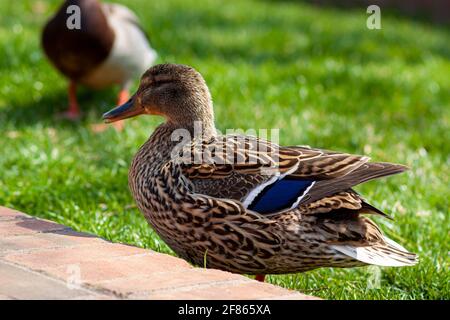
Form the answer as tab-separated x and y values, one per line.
201	209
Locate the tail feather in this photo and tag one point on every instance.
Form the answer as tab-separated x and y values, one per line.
368	208
389	254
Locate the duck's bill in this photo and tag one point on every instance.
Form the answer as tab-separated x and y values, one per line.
127	110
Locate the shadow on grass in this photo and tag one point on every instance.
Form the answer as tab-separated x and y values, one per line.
47	109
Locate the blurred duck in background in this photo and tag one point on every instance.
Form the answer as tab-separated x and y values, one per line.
107	47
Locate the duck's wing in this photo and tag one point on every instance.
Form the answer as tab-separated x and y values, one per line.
293	188
334	221
268	178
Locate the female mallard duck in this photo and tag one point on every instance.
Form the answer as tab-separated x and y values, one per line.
257	208
108	48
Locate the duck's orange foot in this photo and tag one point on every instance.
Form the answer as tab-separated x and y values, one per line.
73	111
118	125
100	127
123	97
260	277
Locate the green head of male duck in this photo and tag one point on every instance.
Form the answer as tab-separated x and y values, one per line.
177	92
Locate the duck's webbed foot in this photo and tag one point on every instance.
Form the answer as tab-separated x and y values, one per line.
122	97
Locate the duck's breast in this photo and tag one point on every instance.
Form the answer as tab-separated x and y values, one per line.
131	54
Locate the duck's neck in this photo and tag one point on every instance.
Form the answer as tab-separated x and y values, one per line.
170	135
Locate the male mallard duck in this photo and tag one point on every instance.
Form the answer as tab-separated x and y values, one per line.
109	48
248	205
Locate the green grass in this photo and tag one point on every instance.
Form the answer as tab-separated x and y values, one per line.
317	74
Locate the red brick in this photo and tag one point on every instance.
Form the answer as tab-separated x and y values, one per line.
229	291
169	280
18	283
38	257
27	226
294	296
47	258
95	297
22	243
10	214
55	239
135	266
69	237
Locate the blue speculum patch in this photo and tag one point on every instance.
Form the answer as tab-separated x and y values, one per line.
279	195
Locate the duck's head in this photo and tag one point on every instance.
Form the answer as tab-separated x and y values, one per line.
177	92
